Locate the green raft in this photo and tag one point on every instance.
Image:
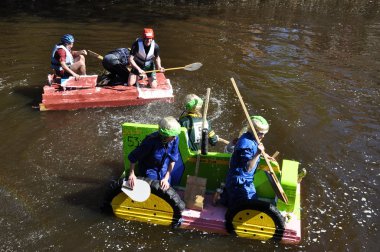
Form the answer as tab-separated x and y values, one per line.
264	219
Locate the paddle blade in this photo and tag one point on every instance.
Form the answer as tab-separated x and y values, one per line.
193	67
140	192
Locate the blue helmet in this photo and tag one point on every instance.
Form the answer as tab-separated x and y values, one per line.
67	39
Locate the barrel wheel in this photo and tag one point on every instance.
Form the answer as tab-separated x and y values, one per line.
113	189
172	198
162	207
255	219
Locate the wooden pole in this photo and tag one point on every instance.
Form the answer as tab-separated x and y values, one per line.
277	186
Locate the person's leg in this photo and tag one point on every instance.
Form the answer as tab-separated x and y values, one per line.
122	72
237	193
132	79
79	65
108	61
152	80
152	174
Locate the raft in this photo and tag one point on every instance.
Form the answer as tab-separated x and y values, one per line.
69	94
267	218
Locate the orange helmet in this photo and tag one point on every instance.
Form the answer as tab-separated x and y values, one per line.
148	33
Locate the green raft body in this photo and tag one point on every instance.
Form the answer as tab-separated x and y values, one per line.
268	218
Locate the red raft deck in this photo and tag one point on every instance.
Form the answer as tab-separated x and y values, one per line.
72	94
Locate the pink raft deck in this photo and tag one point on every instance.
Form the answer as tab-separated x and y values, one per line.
84	93
212	219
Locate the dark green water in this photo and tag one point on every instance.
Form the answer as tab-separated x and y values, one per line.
312	70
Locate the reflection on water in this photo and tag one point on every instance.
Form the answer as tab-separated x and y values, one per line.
310	68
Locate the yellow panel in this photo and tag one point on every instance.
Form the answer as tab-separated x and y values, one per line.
254	224
154	210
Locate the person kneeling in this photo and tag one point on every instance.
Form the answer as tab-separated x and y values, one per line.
145	56
157	153
116	62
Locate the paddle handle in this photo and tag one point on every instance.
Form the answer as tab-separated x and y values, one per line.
223	140
95	54
169	69
273	176
206	108
204	142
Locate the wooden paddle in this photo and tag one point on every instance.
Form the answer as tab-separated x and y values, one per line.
204	139
223	140
95	54
271	176
190	67
196	186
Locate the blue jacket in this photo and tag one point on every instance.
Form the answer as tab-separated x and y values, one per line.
239	183
153	156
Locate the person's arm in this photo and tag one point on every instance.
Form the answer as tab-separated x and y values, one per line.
212	137
67	69
138	154
252	163
134	51
165	181
61	57
134	64
173	157
132	176
78	53
158	64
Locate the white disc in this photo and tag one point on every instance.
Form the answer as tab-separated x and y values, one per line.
140	192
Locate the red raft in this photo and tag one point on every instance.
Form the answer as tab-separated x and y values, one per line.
70	94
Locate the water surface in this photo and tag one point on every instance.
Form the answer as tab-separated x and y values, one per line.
312	71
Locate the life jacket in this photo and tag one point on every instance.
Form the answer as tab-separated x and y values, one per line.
194	126
55	64
141	57
122	54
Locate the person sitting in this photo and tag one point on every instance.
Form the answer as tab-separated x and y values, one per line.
192	120
243	164
116	62
145	56
157	153
66	62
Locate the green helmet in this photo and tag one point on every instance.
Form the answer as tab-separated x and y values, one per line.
193	103
260	124
169	126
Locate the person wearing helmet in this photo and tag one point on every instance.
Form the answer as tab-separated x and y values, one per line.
157	153
116	62
145	56
243	163
192	120
66	62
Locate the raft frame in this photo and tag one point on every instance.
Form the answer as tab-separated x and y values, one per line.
68	94
263	221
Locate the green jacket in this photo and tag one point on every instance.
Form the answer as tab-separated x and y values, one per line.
193	124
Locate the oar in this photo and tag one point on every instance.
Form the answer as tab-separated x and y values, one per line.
223	140
190	67
140	191
204	142
276	185
95	54
196	186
